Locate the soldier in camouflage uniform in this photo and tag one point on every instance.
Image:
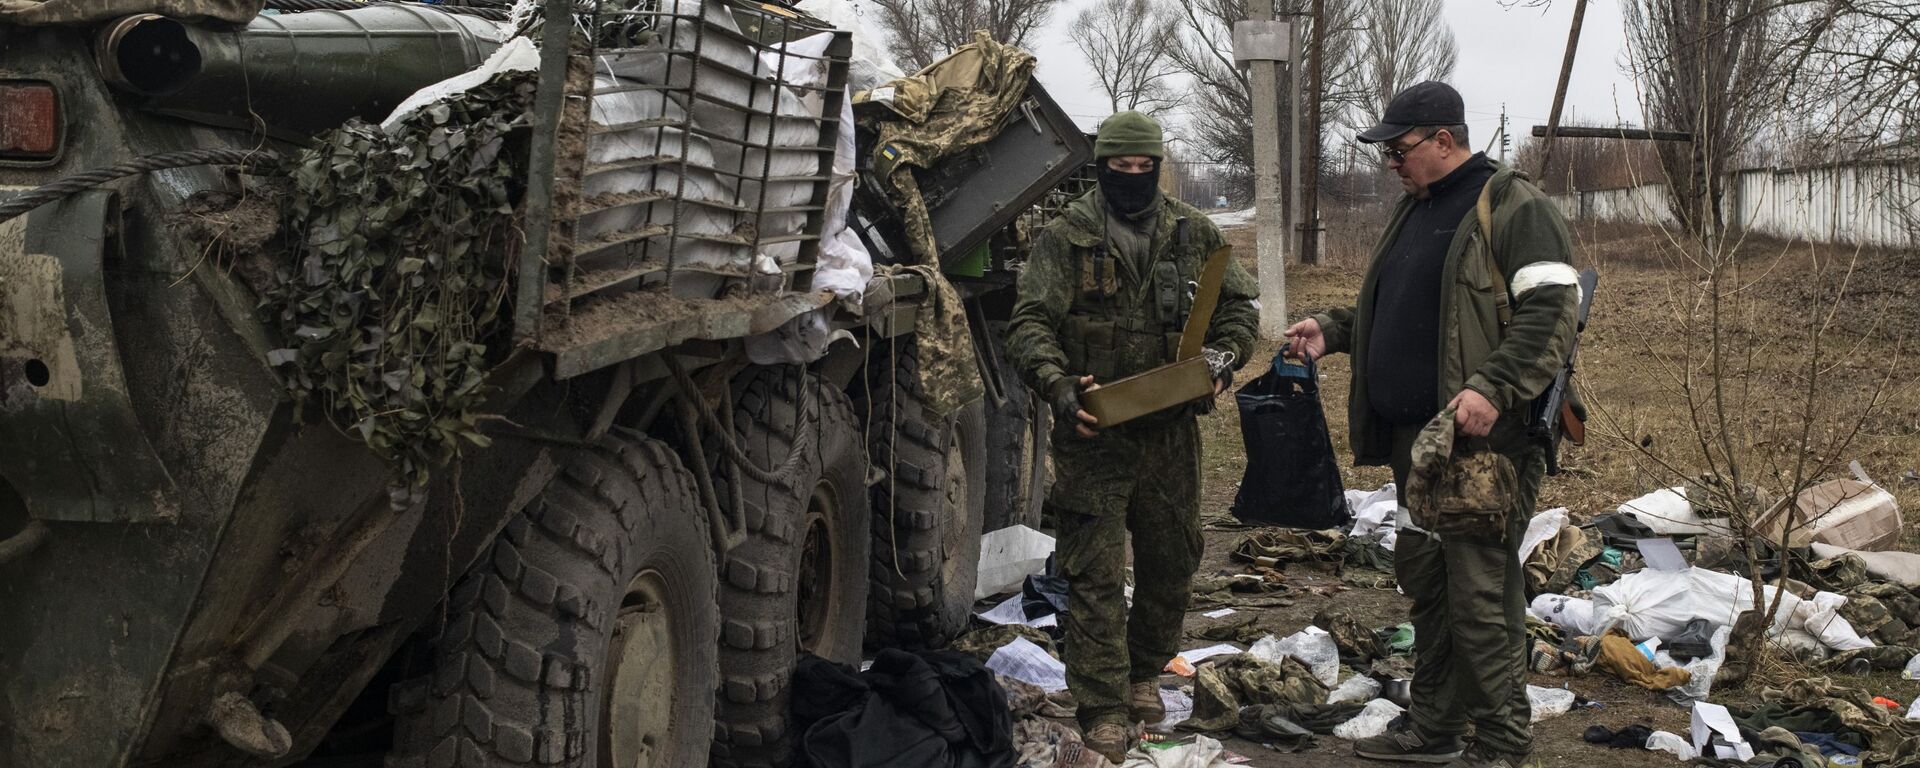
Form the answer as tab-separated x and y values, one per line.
1104	296
1470	324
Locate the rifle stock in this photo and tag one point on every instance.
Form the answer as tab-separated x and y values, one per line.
1553	418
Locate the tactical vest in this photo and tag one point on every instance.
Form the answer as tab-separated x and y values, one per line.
1114	330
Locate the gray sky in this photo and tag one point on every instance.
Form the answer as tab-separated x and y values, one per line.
1510	56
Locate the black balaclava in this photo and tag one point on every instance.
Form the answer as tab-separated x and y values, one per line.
1129	194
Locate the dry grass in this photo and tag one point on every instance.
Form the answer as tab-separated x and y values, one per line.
1636	351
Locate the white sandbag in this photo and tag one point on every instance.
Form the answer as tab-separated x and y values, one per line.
1668	513
870	64
1543	526
1312	647
1548	702
1575	614
1660	603
845	267
1372	721
1821	618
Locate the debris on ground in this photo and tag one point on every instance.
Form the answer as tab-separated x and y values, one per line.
1007	557
929	708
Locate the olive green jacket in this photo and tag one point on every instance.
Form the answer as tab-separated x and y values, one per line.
1076	315
1509	366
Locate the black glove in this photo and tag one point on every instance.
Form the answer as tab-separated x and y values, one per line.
1065	397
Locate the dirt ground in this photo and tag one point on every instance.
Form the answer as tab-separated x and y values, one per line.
1635	350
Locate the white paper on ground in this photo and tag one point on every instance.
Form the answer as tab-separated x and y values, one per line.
1011	611
1662	555
1024	661
1198	655
1543	526
1222	613
1711	720
1007	557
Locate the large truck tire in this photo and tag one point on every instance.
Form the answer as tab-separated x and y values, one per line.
586	636
798	580
928	509
1016	452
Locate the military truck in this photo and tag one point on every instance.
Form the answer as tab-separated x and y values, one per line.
208	557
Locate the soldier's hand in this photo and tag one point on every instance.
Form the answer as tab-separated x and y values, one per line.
1304	337
1473	415
1066	404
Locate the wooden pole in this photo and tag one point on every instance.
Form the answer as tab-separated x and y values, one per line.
1560	91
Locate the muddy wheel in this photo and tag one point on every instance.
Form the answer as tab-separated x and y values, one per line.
586	636
1016	452
798	580
927	511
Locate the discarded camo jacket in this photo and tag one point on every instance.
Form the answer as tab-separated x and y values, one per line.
1509	366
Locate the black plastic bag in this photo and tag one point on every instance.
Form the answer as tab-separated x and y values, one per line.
1291	479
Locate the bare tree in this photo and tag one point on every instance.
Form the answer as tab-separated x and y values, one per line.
1405	42
1708	70
1127	44
1220	103
923	31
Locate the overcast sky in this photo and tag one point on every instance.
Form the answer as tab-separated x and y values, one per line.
1506	55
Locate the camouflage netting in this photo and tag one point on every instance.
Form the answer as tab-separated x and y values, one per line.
398	277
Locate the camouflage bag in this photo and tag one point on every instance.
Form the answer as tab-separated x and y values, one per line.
1455	488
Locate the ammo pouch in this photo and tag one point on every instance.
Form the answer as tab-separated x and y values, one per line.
1459	487
1475	495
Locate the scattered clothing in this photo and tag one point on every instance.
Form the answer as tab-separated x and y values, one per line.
1221	687
1630	737
1359	644
1617	654
910	710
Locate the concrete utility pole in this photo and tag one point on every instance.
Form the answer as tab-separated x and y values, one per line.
1261	43
1296	219
1503	132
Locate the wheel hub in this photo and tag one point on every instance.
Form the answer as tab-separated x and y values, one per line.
817	597
953	513
640	692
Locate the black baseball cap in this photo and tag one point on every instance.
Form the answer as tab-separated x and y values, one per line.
1428	103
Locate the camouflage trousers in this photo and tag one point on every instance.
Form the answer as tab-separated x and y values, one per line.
1469	617
1139	478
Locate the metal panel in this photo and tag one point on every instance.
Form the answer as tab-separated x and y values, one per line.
70	442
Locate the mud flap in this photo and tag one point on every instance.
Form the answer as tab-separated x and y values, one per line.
70	443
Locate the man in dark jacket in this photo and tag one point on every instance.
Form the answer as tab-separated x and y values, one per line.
1104	296
1444	321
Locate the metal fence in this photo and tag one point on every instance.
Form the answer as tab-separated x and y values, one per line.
1876	203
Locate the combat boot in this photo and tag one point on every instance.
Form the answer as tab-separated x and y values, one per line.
1111	740
1146	703
1404	742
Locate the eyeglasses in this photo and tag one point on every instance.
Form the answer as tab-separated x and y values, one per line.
1390	154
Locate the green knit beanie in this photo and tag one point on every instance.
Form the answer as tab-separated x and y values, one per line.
1129	133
